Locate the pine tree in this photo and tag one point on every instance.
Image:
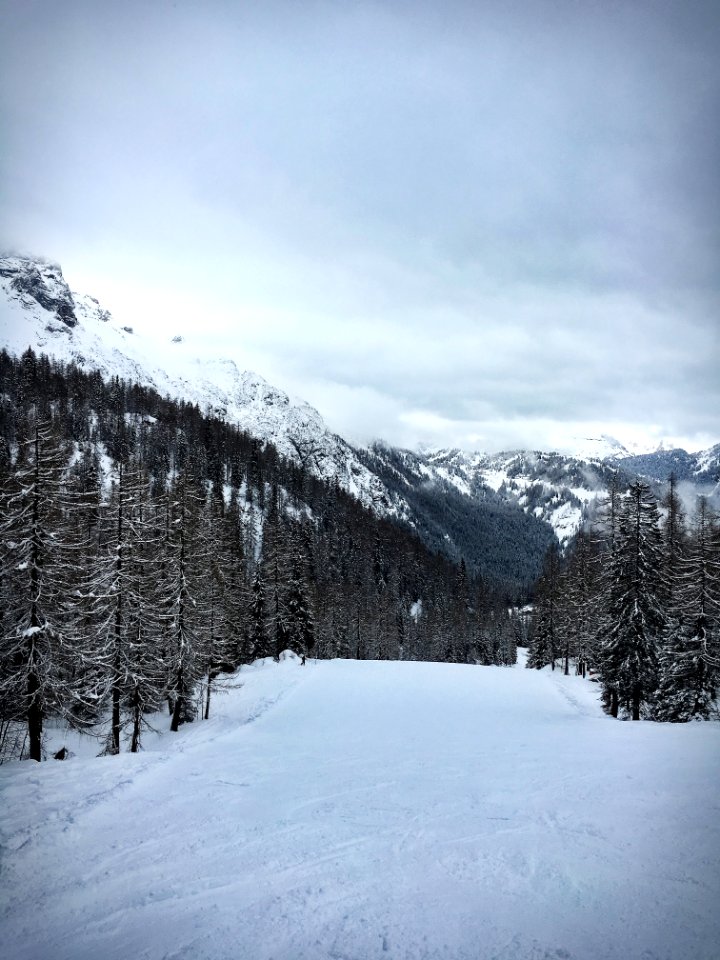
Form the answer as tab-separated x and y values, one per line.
544	639
237	598
673	541
217	608
145	685
607	584
688	678
258	645
122	588
301	633
461	617
178	603
274	567
579	606
37	650
635	618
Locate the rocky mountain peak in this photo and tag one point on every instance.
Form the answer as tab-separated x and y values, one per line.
253	387
31	279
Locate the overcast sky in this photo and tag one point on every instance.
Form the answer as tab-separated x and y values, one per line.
486	224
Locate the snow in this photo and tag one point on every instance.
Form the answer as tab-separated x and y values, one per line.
585	495
365	810
455	480
515	473
494	478
565	520
610	448
708	460
599	448
566	486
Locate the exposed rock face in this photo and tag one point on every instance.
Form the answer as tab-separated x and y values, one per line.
43	282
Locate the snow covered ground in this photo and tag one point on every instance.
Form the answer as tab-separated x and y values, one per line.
359	810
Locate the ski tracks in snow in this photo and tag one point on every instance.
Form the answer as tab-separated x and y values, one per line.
363	811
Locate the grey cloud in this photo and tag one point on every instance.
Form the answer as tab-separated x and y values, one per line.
487	213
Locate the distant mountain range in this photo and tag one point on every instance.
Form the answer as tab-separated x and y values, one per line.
498	511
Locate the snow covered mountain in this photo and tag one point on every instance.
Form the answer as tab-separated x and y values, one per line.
606	447
551	487
561	489
702	468
38	310
603	447
457	501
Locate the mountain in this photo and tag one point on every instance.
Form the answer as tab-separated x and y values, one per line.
551	487
555	490
498	512
603	447
466	521
606	447
492	533
562	490
700	469
39	310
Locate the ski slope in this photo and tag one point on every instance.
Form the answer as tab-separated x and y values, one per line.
360	810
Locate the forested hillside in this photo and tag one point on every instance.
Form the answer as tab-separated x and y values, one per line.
495	537
147	547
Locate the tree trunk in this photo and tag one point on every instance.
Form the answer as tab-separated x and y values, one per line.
34	718
175	722
614	703
179	702
211	677
137	717
118	620
35	712
116	717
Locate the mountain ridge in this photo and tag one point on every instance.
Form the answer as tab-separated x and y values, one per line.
81	331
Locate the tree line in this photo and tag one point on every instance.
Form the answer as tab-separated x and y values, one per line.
636	601
147	547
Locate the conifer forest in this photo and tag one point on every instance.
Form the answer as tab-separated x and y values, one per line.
636	602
